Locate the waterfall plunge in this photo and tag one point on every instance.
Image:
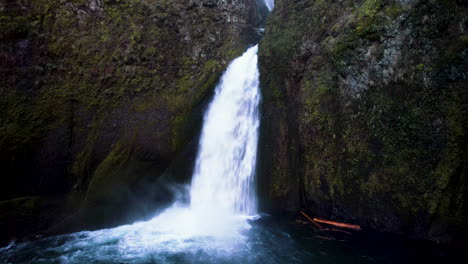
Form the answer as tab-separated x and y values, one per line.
270	4
225	167
222	193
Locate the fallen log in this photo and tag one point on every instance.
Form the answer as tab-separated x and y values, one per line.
312	221
333	223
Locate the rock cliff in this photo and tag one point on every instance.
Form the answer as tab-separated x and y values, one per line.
365	113
99	97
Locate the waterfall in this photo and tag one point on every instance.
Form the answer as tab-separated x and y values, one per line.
270	4
222	196
222	193
223	180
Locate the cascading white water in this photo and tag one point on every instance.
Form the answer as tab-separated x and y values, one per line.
270	4
223	181
222	193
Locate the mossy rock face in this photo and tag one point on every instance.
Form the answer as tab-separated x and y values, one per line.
81	77
365	114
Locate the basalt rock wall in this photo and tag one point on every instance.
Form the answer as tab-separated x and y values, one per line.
99	98
365	113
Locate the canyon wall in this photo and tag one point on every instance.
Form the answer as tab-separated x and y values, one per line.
365	113
100	98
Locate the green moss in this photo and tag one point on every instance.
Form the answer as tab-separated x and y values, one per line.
381	154
367	18
20	124
121	68
464	40
14	27
187	62
183	118
82	170
233	53
394	11
369	8
449	172
179	137
211	65
420	67
316	103
23	206
119	154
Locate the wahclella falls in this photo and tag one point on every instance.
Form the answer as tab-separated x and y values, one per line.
233	131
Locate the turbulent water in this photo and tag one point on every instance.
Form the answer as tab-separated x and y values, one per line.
220	225
223	182
222	195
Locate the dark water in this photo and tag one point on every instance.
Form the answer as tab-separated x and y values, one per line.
268	240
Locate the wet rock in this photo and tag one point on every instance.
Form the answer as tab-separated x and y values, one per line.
90	84
363	113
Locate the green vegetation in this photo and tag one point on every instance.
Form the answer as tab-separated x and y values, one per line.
371	121
87	88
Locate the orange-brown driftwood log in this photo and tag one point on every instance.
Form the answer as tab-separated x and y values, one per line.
344	225
312	221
